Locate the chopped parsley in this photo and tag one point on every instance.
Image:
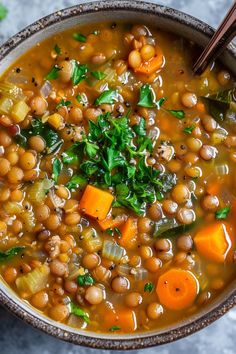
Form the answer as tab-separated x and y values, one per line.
57	49
56	169
63	103
79	37
77	311
79	72
5	256
189	130
85	280
108	96
114	328
146	97
99	75
53	73
222	213
148	287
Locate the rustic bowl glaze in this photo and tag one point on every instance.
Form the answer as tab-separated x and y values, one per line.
167	19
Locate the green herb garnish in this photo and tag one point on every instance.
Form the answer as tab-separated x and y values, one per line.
63	103
99	75
222	213
79	72
53	73
76	181
79	37
108	97
170	228
148	287
146	97
57	49
177	113
3	12
114	328
56	169
85	280
77	311
5	256
189	130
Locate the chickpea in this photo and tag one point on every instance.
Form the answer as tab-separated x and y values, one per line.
210	202
152	264
162	245
70	286
57	289
185	243
193	171
17	226
98	59
59	312
5	139
16	195
91	260
15	175
138	31
38	105
92	114
144	238
12	157
133	299
180	257
169	206
42	212
94	295
189	99
134	59
207	152
62	192
147	52
76	115
4	166
144	225
120	284
66	71
40	299
223	77
191	157
27	161
154	311
194	144
155	212
72	218
10	274
57	268
209	123
52	222
185	216
71	206
4	194
37	143
181	194
145	252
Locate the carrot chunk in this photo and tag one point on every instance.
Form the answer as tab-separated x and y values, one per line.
124	319
152	65
96	202
129	234
111	223
213	241
177	289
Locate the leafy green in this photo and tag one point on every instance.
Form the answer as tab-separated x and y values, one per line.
108	96
5	256
114	328
79	72
53	73
189	130
146	97
3	12
222	213
77	311
56	169
79	37
76	181
148	287
99	75
51	137
85	280
57	49
63	103
170	228
140	129
178	113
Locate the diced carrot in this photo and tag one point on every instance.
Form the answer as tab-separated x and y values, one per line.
152	65
124	319
214	241
95	202
111	223
129	234
214	188
201	107
177	289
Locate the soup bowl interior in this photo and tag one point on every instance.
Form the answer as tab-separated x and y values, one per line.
166	19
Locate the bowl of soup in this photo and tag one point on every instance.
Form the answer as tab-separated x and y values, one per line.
117	183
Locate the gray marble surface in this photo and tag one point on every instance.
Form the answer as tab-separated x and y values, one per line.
19	338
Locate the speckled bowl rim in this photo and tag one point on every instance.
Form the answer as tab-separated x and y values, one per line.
89	339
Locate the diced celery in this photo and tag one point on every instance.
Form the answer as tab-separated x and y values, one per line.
37	191
5	105
33	281
91	241
112	251
19	111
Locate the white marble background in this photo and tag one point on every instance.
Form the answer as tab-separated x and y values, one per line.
19	338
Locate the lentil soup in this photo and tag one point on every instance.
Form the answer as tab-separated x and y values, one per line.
117	178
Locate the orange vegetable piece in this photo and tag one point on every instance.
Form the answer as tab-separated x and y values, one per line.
129	234
152	65
201	107
177	289
125	319
96	202
214	188
213	241
111	223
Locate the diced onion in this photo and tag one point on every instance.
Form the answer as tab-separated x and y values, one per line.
46	89
112	251
123	269
222	169
139	273
56	201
